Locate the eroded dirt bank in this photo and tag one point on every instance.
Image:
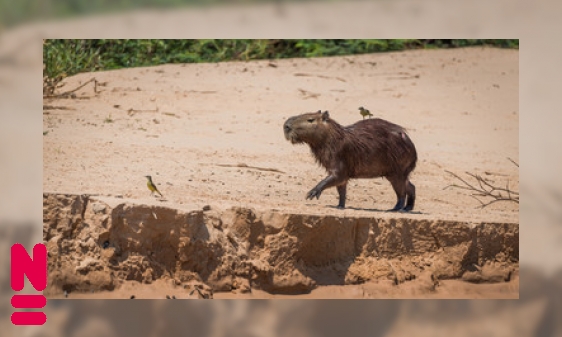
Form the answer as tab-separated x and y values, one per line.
100	243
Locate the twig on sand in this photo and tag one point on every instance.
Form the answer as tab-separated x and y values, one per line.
251	167
308	94
68	93
320	76
514	163
485	189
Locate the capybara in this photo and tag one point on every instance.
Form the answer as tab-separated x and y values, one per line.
370	148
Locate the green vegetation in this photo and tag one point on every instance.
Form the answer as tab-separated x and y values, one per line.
67	57
16	12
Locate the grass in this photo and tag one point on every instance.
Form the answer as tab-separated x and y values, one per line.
68	57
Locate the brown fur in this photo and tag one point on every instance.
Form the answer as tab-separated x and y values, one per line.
367	149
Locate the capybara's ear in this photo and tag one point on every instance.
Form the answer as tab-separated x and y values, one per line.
319	111
325	116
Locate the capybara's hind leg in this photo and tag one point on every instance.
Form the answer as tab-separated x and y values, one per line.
411	194
398	183
342	191
399	205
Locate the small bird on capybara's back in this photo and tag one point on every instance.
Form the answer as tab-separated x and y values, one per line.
370	148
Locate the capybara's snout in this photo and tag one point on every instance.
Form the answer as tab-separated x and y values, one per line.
287	127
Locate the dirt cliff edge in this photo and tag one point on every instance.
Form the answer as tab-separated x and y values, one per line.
94	245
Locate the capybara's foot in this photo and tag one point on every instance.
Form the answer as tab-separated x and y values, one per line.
314	193
399	205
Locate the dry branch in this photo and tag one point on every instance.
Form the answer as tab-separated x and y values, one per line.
320	76
68	93
486	189
251	167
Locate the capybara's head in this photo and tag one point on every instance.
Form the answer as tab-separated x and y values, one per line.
307	128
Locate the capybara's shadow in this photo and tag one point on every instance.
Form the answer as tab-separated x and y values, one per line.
377	210
358	209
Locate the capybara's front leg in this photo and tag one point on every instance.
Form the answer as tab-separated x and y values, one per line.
329	181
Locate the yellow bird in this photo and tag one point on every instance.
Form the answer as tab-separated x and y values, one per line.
152	186
364	112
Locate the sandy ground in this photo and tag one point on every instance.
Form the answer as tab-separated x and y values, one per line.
211	134
447	289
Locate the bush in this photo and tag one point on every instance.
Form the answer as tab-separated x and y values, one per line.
67	57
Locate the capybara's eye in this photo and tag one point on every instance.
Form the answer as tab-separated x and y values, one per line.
310	120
